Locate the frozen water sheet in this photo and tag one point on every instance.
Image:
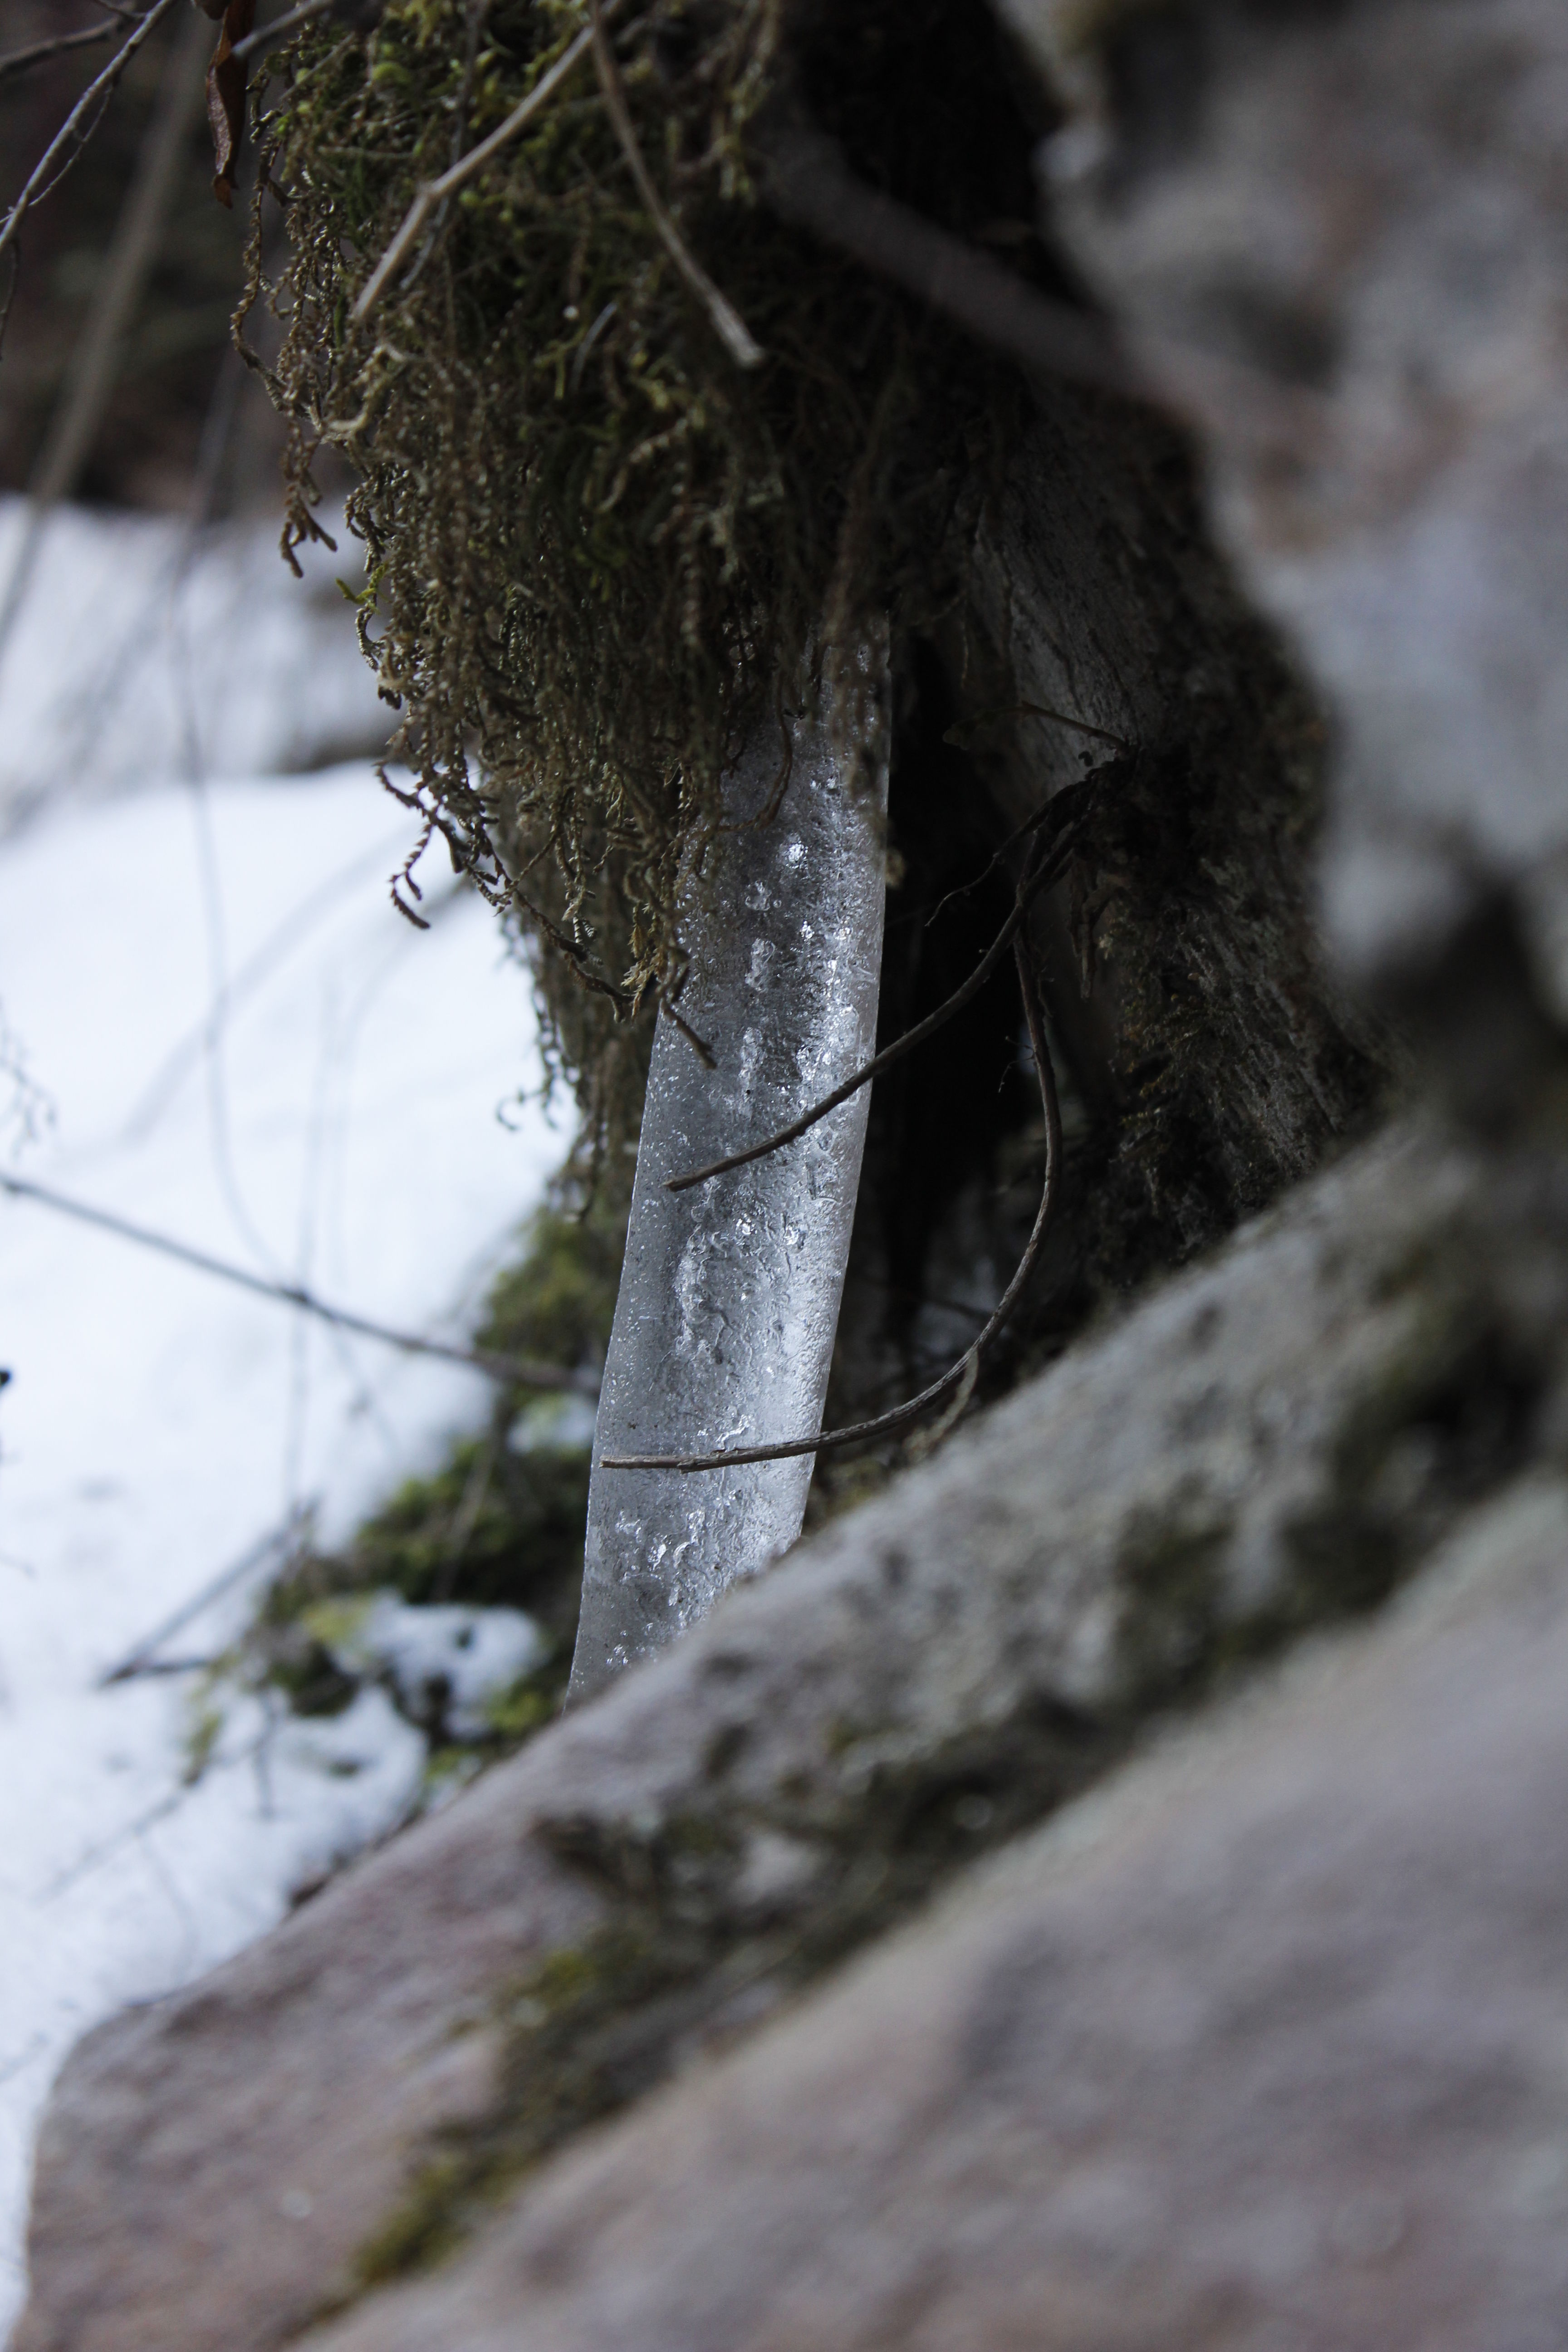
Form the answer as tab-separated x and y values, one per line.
729	1302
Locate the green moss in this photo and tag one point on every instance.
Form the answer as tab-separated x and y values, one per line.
585	2031
202	1732
599	549
525	1536
493	1525
523	1709
420	2229
1171	1579
555	1306
1445	1417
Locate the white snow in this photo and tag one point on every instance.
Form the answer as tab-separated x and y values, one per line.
140	644
442	1661
336	1125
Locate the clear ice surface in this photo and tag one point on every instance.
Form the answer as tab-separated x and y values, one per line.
728	1300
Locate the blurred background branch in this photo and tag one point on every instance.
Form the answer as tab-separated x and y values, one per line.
95	359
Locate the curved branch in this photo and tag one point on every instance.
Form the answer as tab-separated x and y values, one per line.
960	1376
1039	877
515	1371
805	179
19	61
98	90
727	324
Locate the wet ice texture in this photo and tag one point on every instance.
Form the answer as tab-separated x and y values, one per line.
729	1302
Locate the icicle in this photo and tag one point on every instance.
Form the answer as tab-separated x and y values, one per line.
729	1302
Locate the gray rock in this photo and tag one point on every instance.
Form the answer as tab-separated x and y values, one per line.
208	2161
1364	208
1266	1443
1267	2045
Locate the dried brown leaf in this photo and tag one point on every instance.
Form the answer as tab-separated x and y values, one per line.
225	91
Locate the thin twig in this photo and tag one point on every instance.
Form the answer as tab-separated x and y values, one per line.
727	321
435	191
512	1370
151	1669
97	92
259	967
106	1848
960	1375
1017	710
699	1045
963	735
19	61
1040	879
94	367
476	12
466	1518
281	1538
805	179
592	980
267	35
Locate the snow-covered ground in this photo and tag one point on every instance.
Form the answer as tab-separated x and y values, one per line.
244	1047
143	650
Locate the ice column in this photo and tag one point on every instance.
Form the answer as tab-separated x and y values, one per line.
728	1305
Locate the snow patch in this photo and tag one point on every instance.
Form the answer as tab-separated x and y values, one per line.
246	1048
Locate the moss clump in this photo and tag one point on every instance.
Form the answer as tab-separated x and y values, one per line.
499	1522
555	1306
600	552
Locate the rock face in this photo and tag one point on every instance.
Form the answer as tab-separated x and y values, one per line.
1363	206
922	1981
1263	2046
1269	1444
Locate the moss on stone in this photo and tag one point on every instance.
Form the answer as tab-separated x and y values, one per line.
1171	1581
585	2032
556	1303
1445	1417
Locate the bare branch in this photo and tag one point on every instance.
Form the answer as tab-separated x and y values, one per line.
140	1660
20	61
967	732
805	179
699	1045
267	36
727	324
961	737
1067	806
97	94
961	1376
511	1371
435	191
95	361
